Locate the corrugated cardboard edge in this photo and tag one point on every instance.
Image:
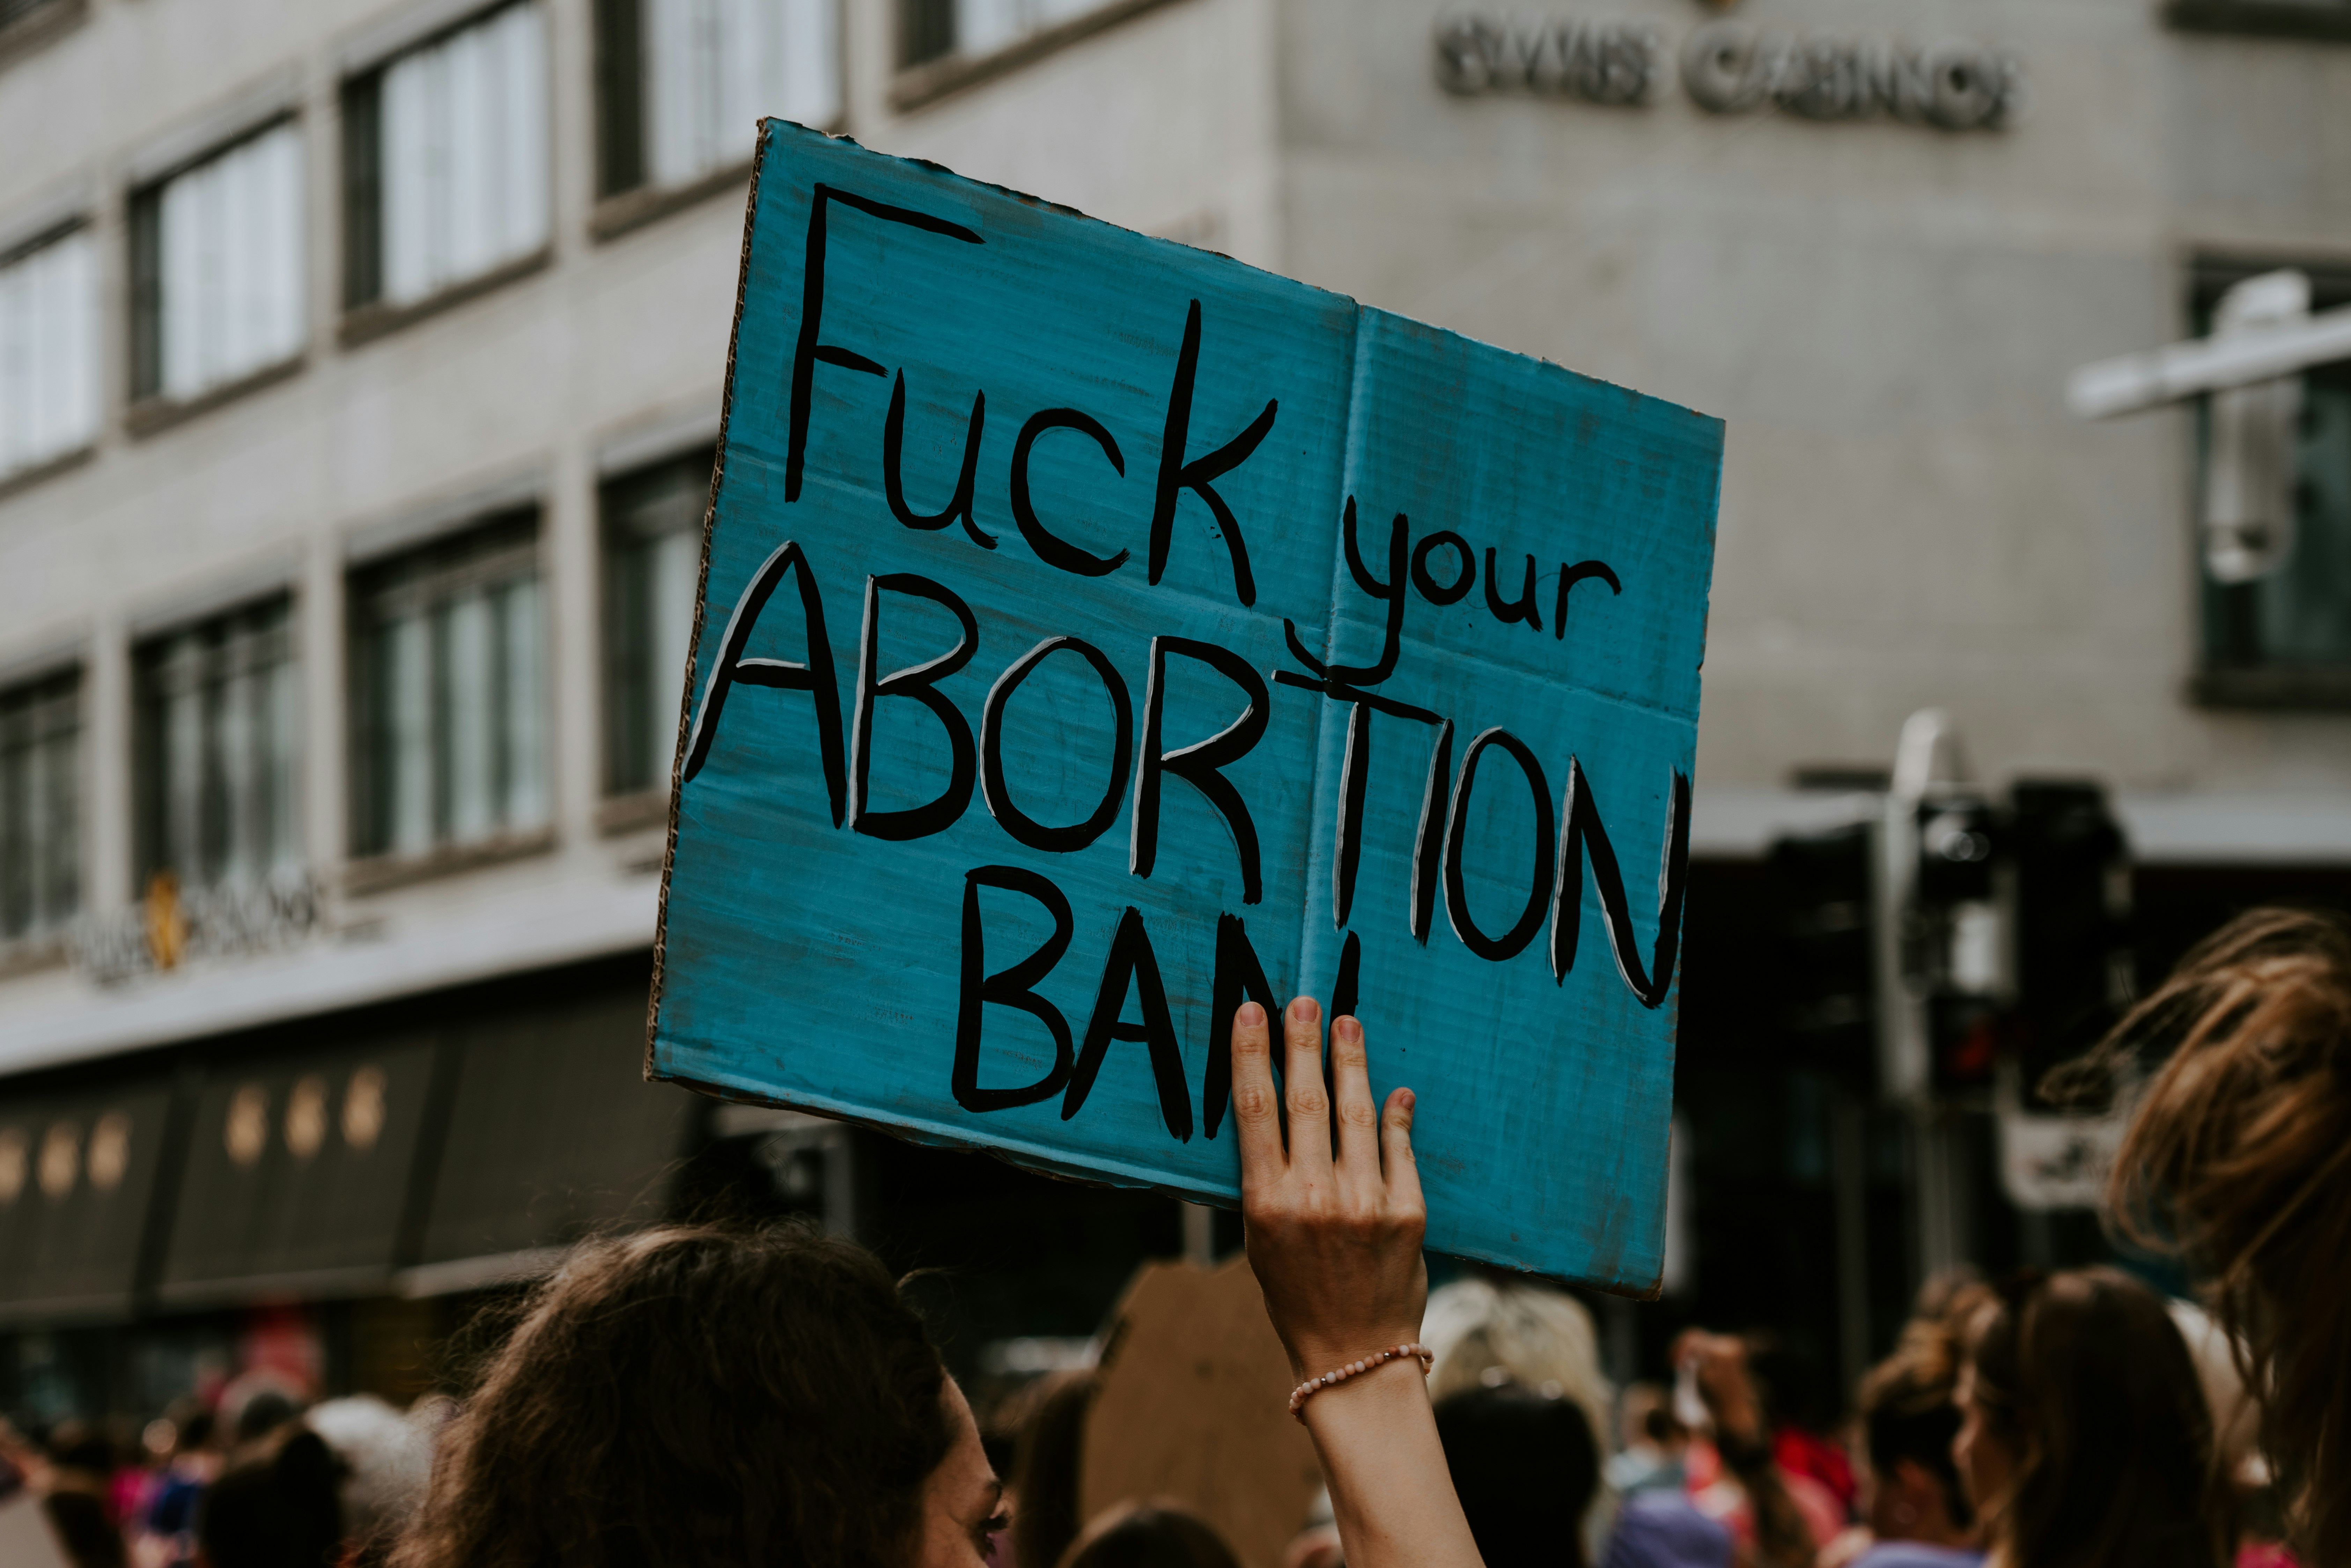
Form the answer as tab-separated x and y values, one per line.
702	595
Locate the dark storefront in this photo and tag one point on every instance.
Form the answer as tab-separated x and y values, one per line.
337	1200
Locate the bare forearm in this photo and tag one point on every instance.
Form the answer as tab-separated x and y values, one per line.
1390	1491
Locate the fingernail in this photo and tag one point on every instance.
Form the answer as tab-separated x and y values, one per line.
1250	1016
1305	1009
1349	1029
1408	1101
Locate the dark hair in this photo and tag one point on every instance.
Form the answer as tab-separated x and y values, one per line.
1905	1401
195	1432
275	1508
1524	1466
2240	1157
1149	1535
693	1395
1047	1447
2083	1377
263	1413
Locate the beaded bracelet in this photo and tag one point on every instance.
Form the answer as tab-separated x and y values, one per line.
1313	1385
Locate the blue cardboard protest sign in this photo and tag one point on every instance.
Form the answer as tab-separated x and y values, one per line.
1097	631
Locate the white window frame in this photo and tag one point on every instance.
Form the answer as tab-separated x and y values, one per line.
223	315
444	221
50	403
474	601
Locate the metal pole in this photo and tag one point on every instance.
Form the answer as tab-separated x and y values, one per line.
1199	1235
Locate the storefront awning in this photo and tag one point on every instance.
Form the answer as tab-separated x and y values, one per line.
553	1135
455	1143
77	1173
300	1175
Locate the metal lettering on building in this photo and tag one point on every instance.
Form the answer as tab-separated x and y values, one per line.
1564	56
169	927
1729	67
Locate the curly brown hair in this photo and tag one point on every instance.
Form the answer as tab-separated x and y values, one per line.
2085	1379
694	1396
2239	1157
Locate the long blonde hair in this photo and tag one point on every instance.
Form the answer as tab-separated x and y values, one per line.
2239	1159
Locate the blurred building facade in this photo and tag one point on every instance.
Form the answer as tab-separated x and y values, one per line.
360	371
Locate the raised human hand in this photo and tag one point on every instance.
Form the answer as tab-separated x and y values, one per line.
1334	1220
1334	1223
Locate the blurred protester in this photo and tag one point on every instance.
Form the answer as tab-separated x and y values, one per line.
165	1534
255	1412
274	1506
1654	1443
1149	1535
20	1461
1525	1464
1483	1328
1803	1405
77	1494
1661	1529
701	1393
1776	1519
2239	1157
2084	1440
1048	1442
386	1462
1915	1507
1540	1337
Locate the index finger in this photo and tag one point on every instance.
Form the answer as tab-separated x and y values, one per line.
1254	1112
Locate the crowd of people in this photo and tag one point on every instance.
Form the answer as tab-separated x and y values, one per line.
693	1396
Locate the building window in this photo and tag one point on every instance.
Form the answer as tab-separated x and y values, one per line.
2285	636
451	677
652	563
445	151
48	351
933	29
216	269
40	842
683	84
219	758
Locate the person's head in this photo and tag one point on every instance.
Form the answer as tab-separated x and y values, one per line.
2082	1437
262	1413
707	1395
1913	1490
1525	1465
1531	1334
193	1428
274	1507
1149	1535
2239	1156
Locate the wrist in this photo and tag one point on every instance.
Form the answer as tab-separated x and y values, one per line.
1407	1354
1321	1355
1373	1395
